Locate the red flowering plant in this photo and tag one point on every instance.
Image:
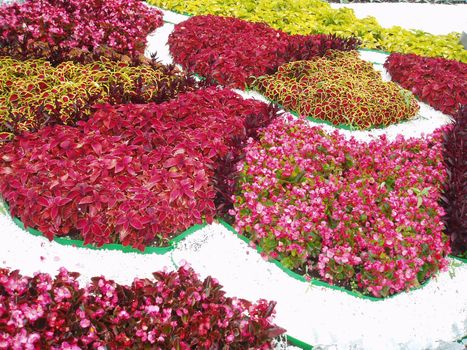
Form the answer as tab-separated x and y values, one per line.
232	51
339	88
47	28
134	174
455	194
175	310
35	93
364	216
440	82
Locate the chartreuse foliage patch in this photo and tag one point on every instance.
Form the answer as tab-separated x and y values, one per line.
34	93
339	88
316	16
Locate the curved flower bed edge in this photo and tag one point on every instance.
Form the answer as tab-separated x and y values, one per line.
193	230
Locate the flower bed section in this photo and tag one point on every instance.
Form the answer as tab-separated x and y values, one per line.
175	310
364	216
123	25
34	93
439	82
316	16
455	195
232	52
133	174
339	88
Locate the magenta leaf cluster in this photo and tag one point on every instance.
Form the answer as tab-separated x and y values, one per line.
231	51
363	216
439	82
174	310
41	28
132	174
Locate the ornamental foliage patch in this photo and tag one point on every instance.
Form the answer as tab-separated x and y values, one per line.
172	310
232	52
316	16
339	88
133	174
35	93
50	29
364	216
439	82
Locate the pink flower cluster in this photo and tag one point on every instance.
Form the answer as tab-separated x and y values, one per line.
42	27
364	216
176	310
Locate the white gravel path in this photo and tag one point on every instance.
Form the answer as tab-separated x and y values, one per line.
428	318
316	315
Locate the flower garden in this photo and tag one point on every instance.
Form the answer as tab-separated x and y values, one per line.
256	183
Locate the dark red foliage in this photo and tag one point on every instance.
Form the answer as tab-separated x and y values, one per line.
175	310
231	51
133	174
51	28
437	81
455	196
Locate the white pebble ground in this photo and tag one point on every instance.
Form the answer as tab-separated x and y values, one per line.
429	318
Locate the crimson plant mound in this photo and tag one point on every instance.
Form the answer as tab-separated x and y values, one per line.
339	88
133	174
232	51
455	195
51	28
363	216
439	82
174	310
35	93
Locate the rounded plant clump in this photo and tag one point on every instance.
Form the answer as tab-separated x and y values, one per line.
172	310
339	88
132	174
364	216
50	29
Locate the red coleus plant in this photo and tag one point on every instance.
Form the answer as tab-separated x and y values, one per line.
232	51
41	28
133	174
455	195
439	82
175	310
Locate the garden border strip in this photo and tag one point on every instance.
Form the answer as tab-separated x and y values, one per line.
193	229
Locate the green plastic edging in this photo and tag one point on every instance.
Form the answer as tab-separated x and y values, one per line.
111	246
317	282
296	342
461	260
177	239
387	53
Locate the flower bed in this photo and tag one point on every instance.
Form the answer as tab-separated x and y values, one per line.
175	310
132	174
316	16
455	194
339	88
439	82
34	93
365	216
123	25
232	52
